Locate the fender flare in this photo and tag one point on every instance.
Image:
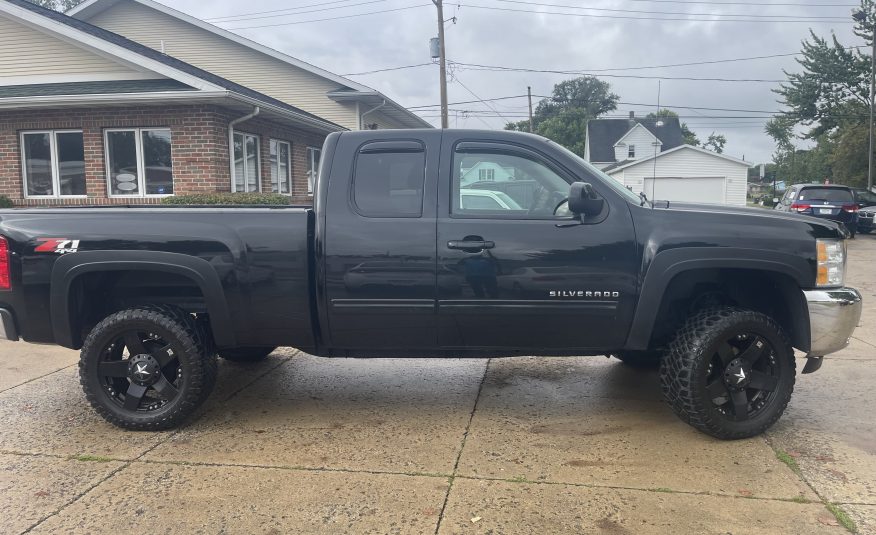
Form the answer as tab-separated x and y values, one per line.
67	268
669	264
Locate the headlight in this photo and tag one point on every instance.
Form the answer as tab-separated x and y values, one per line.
831	262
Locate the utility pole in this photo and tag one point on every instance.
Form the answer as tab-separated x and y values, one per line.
529	95
861	16
442	62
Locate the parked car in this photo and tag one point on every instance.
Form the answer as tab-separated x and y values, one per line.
385	264
865	220
824	201
864	198
482	199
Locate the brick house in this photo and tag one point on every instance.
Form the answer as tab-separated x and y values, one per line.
89	116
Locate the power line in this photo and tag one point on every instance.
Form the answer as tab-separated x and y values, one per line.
330	18
497	68
624	17
482	101
242	15
759	4
388	69
319	9
686	13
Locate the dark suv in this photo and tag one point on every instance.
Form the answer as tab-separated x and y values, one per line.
825	201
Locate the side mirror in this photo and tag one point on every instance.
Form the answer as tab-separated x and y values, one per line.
776	200
583	200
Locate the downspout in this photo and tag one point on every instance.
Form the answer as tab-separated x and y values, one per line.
255	111
375	108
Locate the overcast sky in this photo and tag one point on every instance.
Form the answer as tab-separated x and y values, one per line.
553	42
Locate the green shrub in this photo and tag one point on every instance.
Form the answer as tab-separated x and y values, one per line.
5	202
228	199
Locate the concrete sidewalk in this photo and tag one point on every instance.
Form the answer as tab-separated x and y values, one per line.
298	444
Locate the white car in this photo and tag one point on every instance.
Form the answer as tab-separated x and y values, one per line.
484	199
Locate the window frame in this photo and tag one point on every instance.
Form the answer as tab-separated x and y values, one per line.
258	139
312	174
54	161
141	164
492	147
271	142
631	151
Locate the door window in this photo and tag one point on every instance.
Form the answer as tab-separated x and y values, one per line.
505	184
387	183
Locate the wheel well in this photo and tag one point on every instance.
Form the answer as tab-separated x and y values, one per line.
95	295
771	293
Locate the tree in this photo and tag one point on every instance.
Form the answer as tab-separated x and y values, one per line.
689	137
57	5
828	103
563	117
715	143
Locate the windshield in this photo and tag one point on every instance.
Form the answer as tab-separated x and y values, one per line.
612	183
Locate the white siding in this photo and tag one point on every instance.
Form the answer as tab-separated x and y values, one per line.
690	163
228	59
29	56
641	138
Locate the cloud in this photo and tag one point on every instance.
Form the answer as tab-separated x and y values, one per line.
554	42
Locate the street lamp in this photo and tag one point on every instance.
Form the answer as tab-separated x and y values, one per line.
861	16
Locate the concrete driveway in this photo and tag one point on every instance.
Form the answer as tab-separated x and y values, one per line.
298	444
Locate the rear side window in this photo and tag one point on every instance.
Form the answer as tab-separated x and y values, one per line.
826	194
389	178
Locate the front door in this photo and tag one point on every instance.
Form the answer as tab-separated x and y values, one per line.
380	244
515	271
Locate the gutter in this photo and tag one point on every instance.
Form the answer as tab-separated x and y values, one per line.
255	111
375	108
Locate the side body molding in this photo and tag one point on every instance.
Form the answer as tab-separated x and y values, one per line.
68	267
670	263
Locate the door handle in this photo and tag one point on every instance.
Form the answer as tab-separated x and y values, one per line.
478	245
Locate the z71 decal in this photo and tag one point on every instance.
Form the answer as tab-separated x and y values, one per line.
57	245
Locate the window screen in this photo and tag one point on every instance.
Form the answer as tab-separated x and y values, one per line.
389	183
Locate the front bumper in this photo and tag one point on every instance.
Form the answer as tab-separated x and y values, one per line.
833	316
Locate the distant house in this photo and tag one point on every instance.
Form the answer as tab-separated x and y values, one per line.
486	172
649	155
129	101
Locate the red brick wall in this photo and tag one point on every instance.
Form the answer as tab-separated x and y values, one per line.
199	146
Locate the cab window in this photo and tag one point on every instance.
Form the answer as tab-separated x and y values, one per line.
505	184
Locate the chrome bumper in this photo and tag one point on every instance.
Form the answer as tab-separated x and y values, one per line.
833	316
7	326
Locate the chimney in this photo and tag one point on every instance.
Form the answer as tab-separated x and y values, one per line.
632	115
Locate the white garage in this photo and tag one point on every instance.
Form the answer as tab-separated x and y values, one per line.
686	173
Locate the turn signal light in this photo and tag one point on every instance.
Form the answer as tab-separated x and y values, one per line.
5	282
831	260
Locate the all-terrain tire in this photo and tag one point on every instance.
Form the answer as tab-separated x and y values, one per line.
684	369
189	342
246	354
640	359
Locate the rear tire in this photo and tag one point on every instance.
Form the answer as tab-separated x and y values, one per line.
729	372
146	368
246	354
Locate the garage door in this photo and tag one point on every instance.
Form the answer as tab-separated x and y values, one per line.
703	189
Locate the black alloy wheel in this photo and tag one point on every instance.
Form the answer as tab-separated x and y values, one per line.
729	372
147	367
743	376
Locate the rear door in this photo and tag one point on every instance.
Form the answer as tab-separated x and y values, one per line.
380	257
518	274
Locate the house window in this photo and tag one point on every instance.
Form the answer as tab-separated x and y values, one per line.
313	156
631	151
487	175
139	162
246	163
281	167
54	163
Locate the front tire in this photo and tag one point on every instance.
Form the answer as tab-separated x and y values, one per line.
147	367
729	372
246	354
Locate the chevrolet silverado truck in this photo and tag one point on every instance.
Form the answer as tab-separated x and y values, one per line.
560	260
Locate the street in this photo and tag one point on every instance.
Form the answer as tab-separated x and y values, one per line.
299	444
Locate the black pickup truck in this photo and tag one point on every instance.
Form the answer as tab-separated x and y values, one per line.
434	243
